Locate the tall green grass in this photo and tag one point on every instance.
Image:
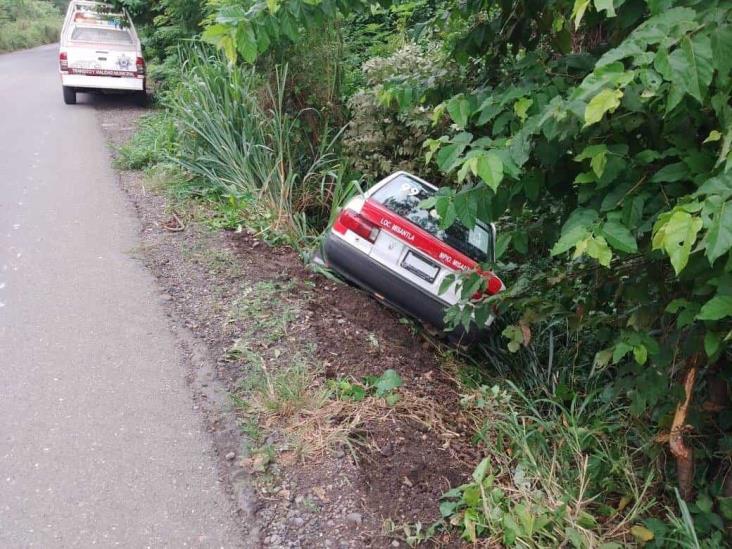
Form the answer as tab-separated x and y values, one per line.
237	134
153	143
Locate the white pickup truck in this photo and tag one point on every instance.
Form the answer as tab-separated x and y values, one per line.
100	51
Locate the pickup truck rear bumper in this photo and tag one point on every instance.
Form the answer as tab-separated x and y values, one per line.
80	82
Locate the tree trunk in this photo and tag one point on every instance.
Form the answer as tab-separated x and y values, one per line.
683	453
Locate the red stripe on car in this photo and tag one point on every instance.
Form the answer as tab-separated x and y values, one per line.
425	242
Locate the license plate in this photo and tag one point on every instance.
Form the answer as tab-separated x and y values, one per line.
423	268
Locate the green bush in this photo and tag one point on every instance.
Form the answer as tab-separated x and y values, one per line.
28	23
386	132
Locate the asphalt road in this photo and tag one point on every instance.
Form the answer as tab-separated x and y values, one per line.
99	442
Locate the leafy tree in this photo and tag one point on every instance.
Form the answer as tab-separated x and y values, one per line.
604	134
598	134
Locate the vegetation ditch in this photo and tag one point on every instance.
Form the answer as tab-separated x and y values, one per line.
596	134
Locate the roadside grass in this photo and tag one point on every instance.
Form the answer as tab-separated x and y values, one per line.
28	24
565	464
151	144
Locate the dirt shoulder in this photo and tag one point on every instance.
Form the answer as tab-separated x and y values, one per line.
314	455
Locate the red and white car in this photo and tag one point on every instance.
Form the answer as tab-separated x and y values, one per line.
100	51
386	243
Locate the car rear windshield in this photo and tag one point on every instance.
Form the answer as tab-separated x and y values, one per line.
104	36
402	196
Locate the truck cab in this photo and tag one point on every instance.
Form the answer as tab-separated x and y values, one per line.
99	52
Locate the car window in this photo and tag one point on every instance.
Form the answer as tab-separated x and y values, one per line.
402	196
106	36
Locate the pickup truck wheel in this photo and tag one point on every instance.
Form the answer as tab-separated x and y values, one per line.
141	98
69	95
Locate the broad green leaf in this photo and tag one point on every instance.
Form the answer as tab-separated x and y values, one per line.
581	217
504	239
591	151
719	237
445	209
714	135
289	27
606	101
515	337
712	341
720	185
221	36
459	110
725	507
641	533
481	470
273	6
448	156
246	43
621	349
598	249
602	358
698	53
578	11
466	209
717	308
725	151
619	237
606	5
448	281
569	239
598	163
387	382
585	177
598	158
447	508
677	304
676	233
490	169
640	354
671	173
521	107
689	67
575	230
722	51
468	166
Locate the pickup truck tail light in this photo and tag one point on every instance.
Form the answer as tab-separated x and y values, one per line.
359	225
140	66
63	61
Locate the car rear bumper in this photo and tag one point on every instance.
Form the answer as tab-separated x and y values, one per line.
360	269
80	81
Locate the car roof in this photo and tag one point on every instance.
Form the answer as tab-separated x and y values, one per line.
392	177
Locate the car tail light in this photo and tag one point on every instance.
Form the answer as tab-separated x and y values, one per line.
495	284
359	225
63	61
140	66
